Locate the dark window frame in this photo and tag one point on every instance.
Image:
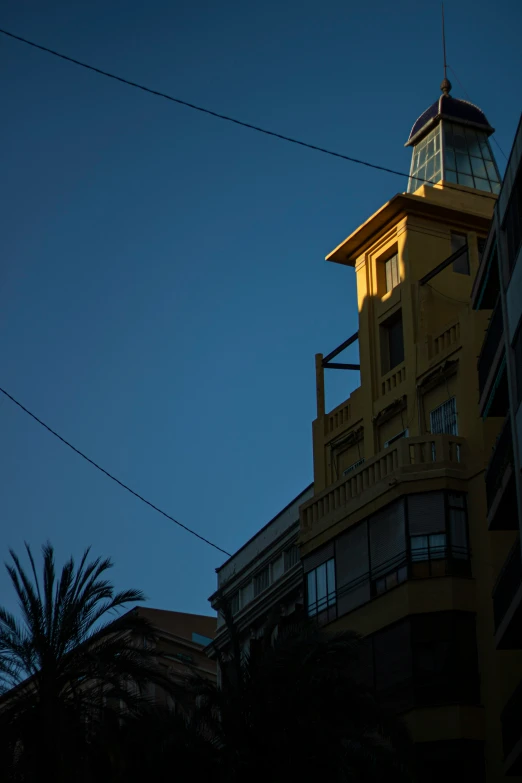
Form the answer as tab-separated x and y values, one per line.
392	342
461	265
392	274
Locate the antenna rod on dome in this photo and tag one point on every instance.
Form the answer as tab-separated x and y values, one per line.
446	84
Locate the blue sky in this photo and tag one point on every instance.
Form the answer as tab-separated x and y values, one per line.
163	288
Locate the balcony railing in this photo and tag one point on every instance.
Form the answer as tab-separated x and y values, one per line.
511	720
403	458
507	585
492	340
501	459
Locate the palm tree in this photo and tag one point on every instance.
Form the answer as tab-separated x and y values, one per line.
66	666
299	711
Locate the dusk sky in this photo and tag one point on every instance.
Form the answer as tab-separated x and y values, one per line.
163	288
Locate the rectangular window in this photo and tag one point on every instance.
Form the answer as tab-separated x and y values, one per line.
431	547
392	343
291	557
321	591
443	420
458	527
391	267
234	603
461	264
261	581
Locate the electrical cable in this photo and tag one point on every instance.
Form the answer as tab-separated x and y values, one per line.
220	116
451	298
109	475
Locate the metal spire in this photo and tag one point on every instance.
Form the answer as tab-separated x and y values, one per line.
446	84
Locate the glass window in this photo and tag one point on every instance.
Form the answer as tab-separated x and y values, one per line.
484	148
425	161
482	184
321	592
291	557
234	603
478	167
312	593
461	264
443	419
261	580
392	272
458	526
431	547
463	164
392	343
419	547
491	171
465	179
450	160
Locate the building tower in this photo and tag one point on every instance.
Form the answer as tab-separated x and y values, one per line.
395	542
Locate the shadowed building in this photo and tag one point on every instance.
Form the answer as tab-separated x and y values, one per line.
498	287
395	542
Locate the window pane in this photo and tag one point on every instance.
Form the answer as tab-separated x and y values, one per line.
495	187
458	532
330	577
321	587
459	142
450	160
437	546
450	176
312	593
482	184
396	344
466	179
492	173
478	167
419	547
430	168
486	152
463	164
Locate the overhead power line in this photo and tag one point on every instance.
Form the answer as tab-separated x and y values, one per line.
225	117
109	475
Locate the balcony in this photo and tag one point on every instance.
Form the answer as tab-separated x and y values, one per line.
500	483
511	720
407	459
507	602
491	366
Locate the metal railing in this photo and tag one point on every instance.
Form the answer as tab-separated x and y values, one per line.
508	583
501	458
490	345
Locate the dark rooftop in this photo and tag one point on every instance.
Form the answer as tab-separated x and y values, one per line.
449	108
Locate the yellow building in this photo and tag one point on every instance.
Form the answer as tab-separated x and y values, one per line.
395	542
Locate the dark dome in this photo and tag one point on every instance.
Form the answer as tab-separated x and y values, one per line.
449	108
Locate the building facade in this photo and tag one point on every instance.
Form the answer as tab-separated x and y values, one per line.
498	287
262	583
395	542
180	642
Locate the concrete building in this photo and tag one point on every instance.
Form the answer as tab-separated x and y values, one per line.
181	640
262	582
498	287
180	643
395	542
